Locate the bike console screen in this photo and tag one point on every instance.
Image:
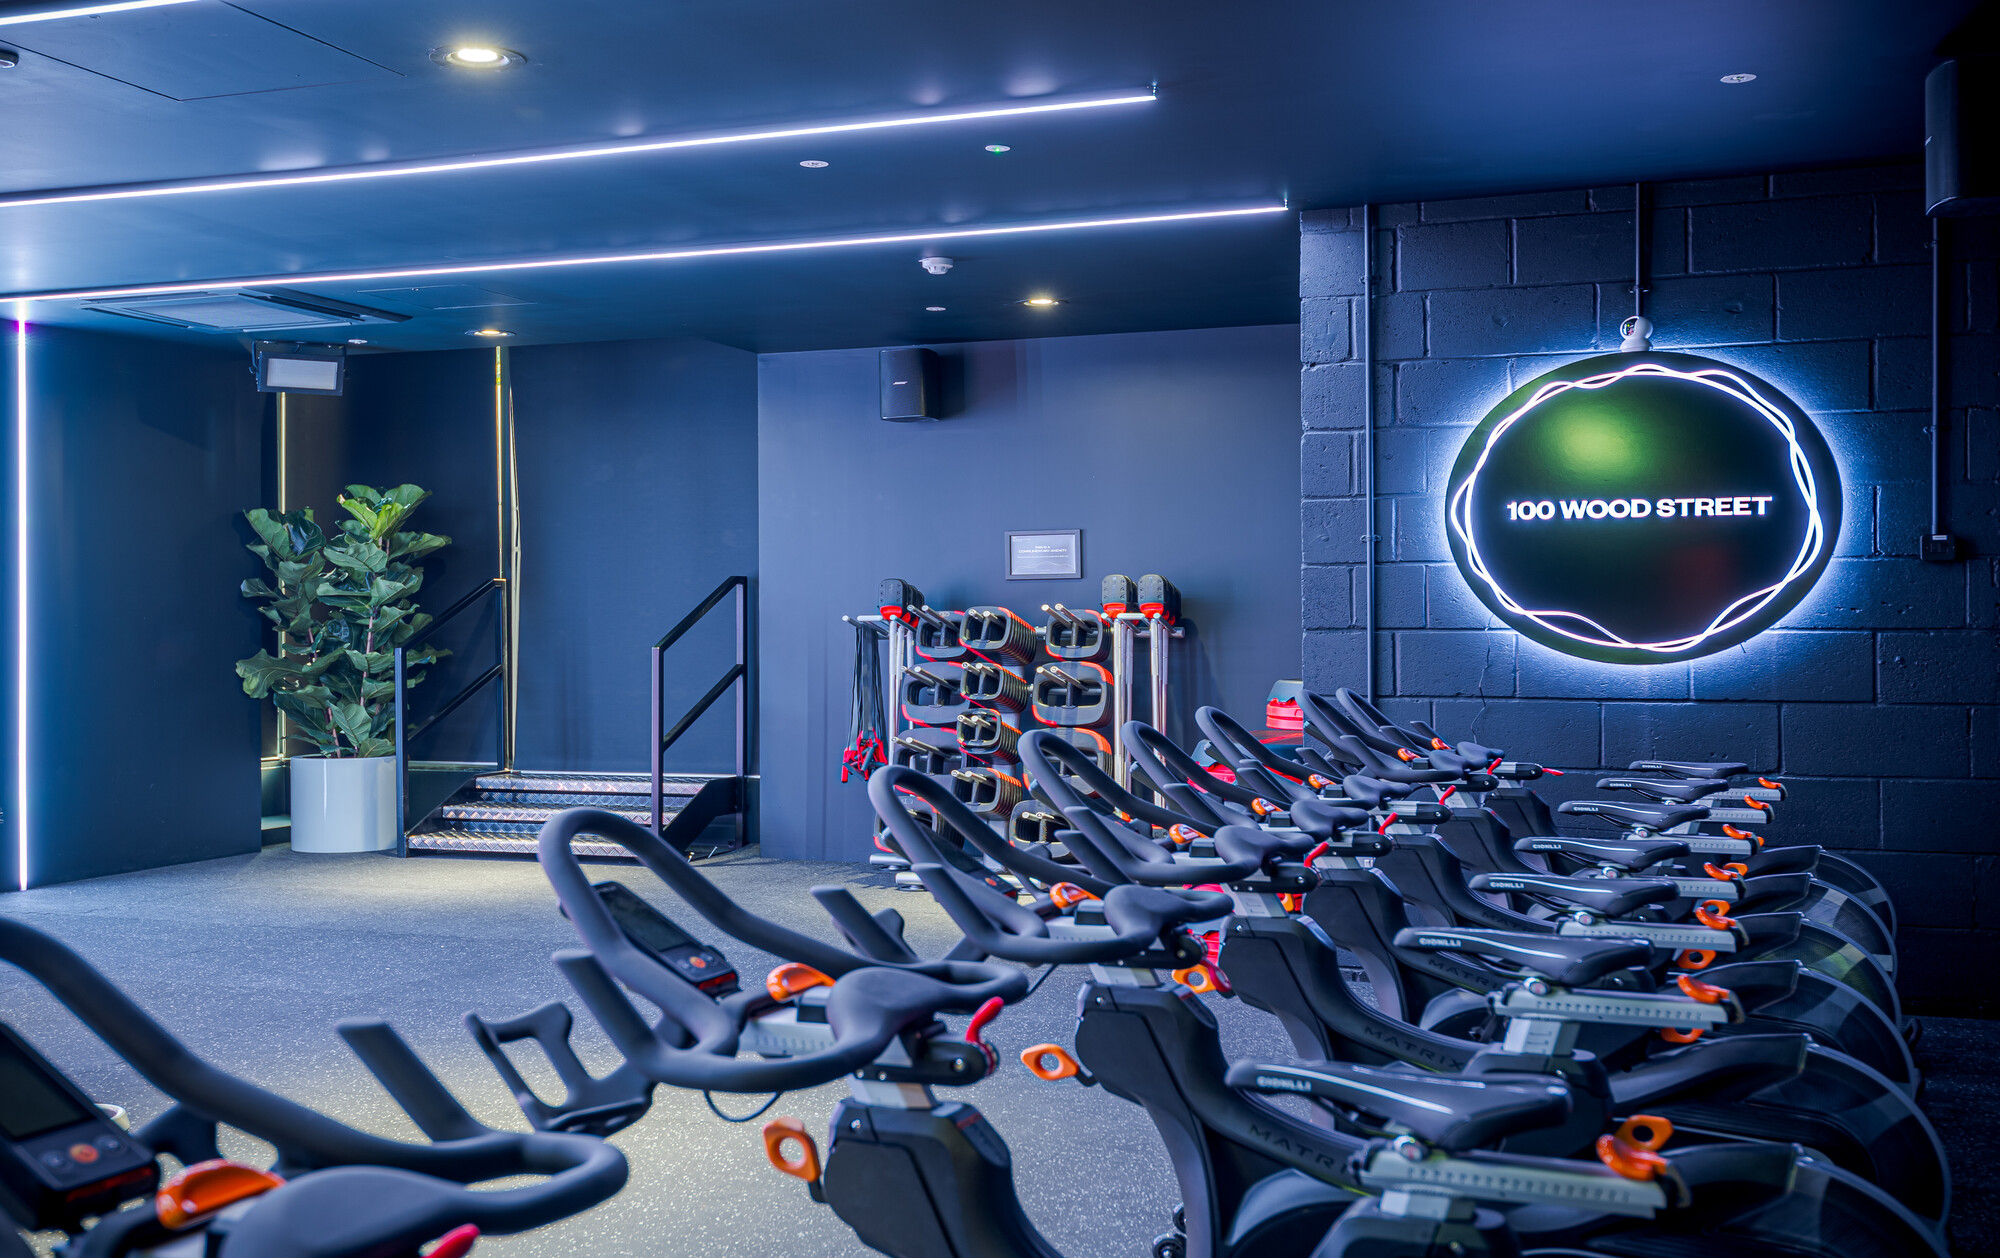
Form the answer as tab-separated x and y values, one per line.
31	1104
654	931
60	1157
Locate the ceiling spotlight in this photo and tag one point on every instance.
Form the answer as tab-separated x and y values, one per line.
813	165
1041	301
999	148
355	340
1738	78
493	334
476	56
936	266
935	309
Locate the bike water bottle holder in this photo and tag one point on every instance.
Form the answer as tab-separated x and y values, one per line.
987	738
998	634
938	635
1076	635
933	696
1072	694
993	687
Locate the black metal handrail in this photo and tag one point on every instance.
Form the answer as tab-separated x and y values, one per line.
405	735
741	675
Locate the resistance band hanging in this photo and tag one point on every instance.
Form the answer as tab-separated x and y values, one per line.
866	720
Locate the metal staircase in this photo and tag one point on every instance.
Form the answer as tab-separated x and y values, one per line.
503	812
496	809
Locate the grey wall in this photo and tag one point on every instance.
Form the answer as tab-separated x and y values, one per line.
1172	451
638	465
144	748
1876	697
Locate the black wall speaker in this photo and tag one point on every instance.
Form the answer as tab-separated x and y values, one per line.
1962	137
910	386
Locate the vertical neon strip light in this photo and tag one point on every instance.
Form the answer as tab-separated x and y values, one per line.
21	594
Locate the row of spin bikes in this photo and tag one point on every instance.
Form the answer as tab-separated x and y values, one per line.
1655	1037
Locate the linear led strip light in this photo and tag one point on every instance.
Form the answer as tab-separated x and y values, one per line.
1736	612
21	742
658	255
527	157
85	10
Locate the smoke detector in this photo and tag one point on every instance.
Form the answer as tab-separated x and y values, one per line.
936	266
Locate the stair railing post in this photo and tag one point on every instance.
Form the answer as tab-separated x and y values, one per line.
742	711
659	705
503	759
402	757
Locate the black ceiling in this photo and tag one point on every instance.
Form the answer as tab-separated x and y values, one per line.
1309	104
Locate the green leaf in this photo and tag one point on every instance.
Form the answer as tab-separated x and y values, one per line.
255	588
262	674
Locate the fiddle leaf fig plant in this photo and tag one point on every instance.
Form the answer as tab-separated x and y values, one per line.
342	604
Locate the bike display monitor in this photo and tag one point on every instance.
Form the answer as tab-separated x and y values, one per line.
60	1157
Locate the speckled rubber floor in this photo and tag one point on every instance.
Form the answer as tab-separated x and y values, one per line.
250	960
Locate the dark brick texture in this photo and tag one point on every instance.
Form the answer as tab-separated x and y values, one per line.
1878	699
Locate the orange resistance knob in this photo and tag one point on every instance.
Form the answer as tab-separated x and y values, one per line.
1694	958
1438	744
206	1187
1688	1036
1707	993
1050	1062
1264	807
806	1165
793	977
1732	872
1182	835
1758	804
1744	835
1713	917
1633	1150
1769	785
1406	755
1067	895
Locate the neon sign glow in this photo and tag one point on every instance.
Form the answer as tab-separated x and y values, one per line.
1650	507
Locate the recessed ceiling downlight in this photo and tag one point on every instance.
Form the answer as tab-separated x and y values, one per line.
1041	303
813	164
1739	78
491	334
476	56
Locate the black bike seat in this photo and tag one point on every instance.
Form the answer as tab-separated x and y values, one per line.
1133	910
1239	843
1667	791
1453	1113
1767	893
1651	816
1571	961
1484	755
1624	853
1740	1063
1691	768
1373	791
1612	897
1323	820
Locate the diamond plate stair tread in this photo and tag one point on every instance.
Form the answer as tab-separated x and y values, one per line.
592	783
524	845
527	815
559	799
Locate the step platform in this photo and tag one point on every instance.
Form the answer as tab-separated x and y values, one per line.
503	813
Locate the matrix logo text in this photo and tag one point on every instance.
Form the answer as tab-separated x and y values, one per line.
1637	508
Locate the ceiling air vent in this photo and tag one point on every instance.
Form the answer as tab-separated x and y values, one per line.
236	310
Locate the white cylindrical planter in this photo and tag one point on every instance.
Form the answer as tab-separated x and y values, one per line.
343	805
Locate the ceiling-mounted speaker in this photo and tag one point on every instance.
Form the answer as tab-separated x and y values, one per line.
910	386
1962	137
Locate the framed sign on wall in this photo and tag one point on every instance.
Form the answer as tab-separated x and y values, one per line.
1643	508
1045	555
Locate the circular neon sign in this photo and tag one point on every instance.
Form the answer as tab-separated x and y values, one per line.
1643	508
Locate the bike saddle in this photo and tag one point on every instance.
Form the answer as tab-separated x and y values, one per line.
1322	820
1611	897
1373	791
1648	816
1630	854
1236	843
1469	749
1670	791
1691	768
1573	962
1453	1114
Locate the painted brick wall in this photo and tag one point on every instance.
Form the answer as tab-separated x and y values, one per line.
1877	696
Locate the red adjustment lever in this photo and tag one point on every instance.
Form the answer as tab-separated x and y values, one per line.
1716	918
1707	993
1318	852
981	1019
1633	1150
1387	821
1744	835
1067	895
456	1243
1758	804
1732	872
1769	785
